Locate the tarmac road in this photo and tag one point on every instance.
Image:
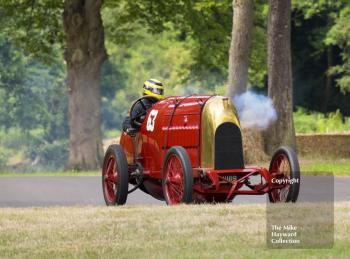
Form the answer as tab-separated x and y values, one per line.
79	190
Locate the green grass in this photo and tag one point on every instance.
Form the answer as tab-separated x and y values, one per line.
196	231
337	167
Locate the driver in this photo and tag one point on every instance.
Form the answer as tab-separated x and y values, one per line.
154	90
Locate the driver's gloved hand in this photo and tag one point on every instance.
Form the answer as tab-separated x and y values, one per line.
126	123
131	132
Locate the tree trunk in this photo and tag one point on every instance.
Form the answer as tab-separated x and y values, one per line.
242	24
280	87
85	53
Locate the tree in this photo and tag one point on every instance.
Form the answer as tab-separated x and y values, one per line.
84	54
242	24
280	88
339	35
37	26
240	49
319	20
33	109
207	22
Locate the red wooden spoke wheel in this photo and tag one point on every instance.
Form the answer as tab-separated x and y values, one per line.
115	176
177	177
284	166
174	180
110	178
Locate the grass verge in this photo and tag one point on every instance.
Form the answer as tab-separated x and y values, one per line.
318	166
197	231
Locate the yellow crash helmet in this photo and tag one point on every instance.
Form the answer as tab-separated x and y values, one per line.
153	87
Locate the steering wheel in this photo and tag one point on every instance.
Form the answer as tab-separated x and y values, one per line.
139	118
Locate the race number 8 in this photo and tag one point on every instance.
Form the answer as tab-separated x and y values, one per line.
151	120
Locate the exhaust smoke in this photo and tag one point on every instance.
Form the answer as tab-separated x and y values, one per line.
255	110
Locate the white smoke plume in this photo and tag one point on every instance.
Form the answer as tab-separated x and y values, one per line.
255	110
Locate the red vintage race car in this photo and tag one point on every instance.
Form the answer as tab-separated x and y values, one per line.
189	150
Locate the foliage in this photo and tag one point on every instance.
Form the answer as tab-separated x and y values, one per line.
184	43
33	99
151	56
339	35
158	56
4	156
207	23
11	146
52	153
258	59
336	32
35	26
111	134
317	57
306	122
311	8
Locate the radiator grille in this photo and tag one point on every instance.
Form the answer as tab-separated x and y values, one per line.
228	147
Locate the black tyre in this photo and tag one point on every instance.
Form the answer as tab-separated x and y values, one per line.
177	177
285	162
115	176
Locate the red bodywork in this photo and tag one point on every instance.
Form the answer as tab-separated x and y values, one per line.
178	123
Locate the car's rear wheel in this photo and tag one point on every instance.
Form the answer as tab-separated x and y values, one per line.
115	176
177	177
284	165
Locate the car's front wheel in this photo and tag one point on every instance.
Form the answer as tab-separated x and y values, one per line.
177	177
284	166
